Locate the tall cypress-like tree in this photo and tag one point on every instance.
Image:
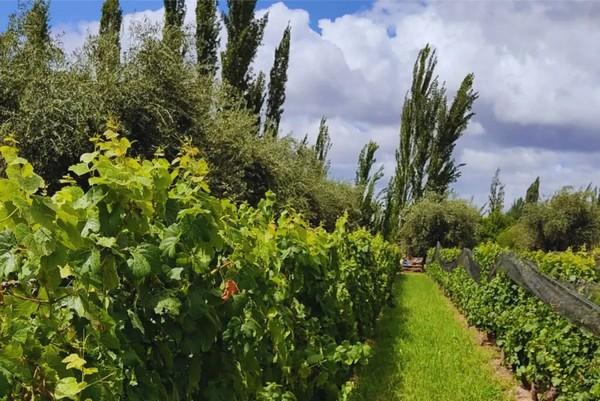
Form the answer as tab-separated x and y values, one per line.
366	160
173	24
417	128
442	169
323	143
429	129
36	25
110	30
207	35
244	35
533	192
391	214
366	182
496	197
255	97
278	79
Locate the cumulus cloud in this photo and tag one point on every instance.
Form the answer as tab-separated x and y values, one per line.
535	71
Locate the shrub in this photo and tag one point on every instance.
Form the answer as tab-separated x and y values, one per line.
452	222
52	104
492	226
568	219
516	237
571	267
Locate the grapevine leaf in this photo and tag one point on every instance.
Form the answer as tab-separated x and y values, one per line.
10	358
175	274
107	242
90	371
110	278
8	189
138	264
68	387
168	306
8	263
74	361
44	242
92	225
65	271
80	169
90	199
42	213
135	321
29	181
92	264
171	236
7	241
201	261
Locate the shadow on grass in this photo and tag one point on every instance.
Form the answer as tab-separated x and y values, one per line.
381	378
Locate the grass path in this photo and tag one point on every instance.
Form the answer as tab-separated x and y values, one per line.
424	353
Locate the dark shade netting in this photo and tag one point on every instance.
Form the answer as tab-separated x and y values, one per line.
563	299
465	259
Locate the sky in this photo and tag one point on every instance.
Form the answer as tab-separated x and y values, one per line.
536	66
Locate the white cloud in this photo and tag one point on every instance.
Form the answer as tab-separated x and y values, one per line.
475	129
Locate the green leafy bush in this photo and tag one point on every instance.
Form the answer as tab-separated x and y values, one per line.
516	237
446	254
493	225
433	219
571	267
146	287
542	347
52	104
568	220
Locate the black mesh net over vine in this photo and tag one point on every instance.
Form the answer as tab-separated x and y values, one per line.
465	259
563	299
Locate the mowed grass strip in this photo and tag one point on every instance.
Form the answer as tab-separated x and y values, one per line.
424	353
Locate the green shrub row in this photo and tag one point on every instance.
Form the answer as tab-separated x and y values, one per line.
143	286
568	266
542	347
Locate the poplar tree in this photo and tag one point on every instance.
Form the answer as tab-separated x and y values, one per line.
207	35
366	160
323	143
173	24
531	196
452	122
36	25
533	192
110	29
496	197
277	82
391	214
429	129
255	98
366	182
244	35
417	129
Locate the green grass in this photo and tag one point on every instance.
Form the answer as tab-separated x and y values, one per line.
424	353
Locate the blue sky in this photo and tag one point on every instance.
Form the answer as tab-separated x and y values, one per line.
74	11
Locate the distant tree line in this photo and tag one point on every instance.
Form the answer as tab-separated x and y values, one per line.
569	218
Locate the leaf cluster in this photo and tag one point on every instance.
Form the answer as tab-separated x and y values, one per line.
433	219
143	286
546	351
